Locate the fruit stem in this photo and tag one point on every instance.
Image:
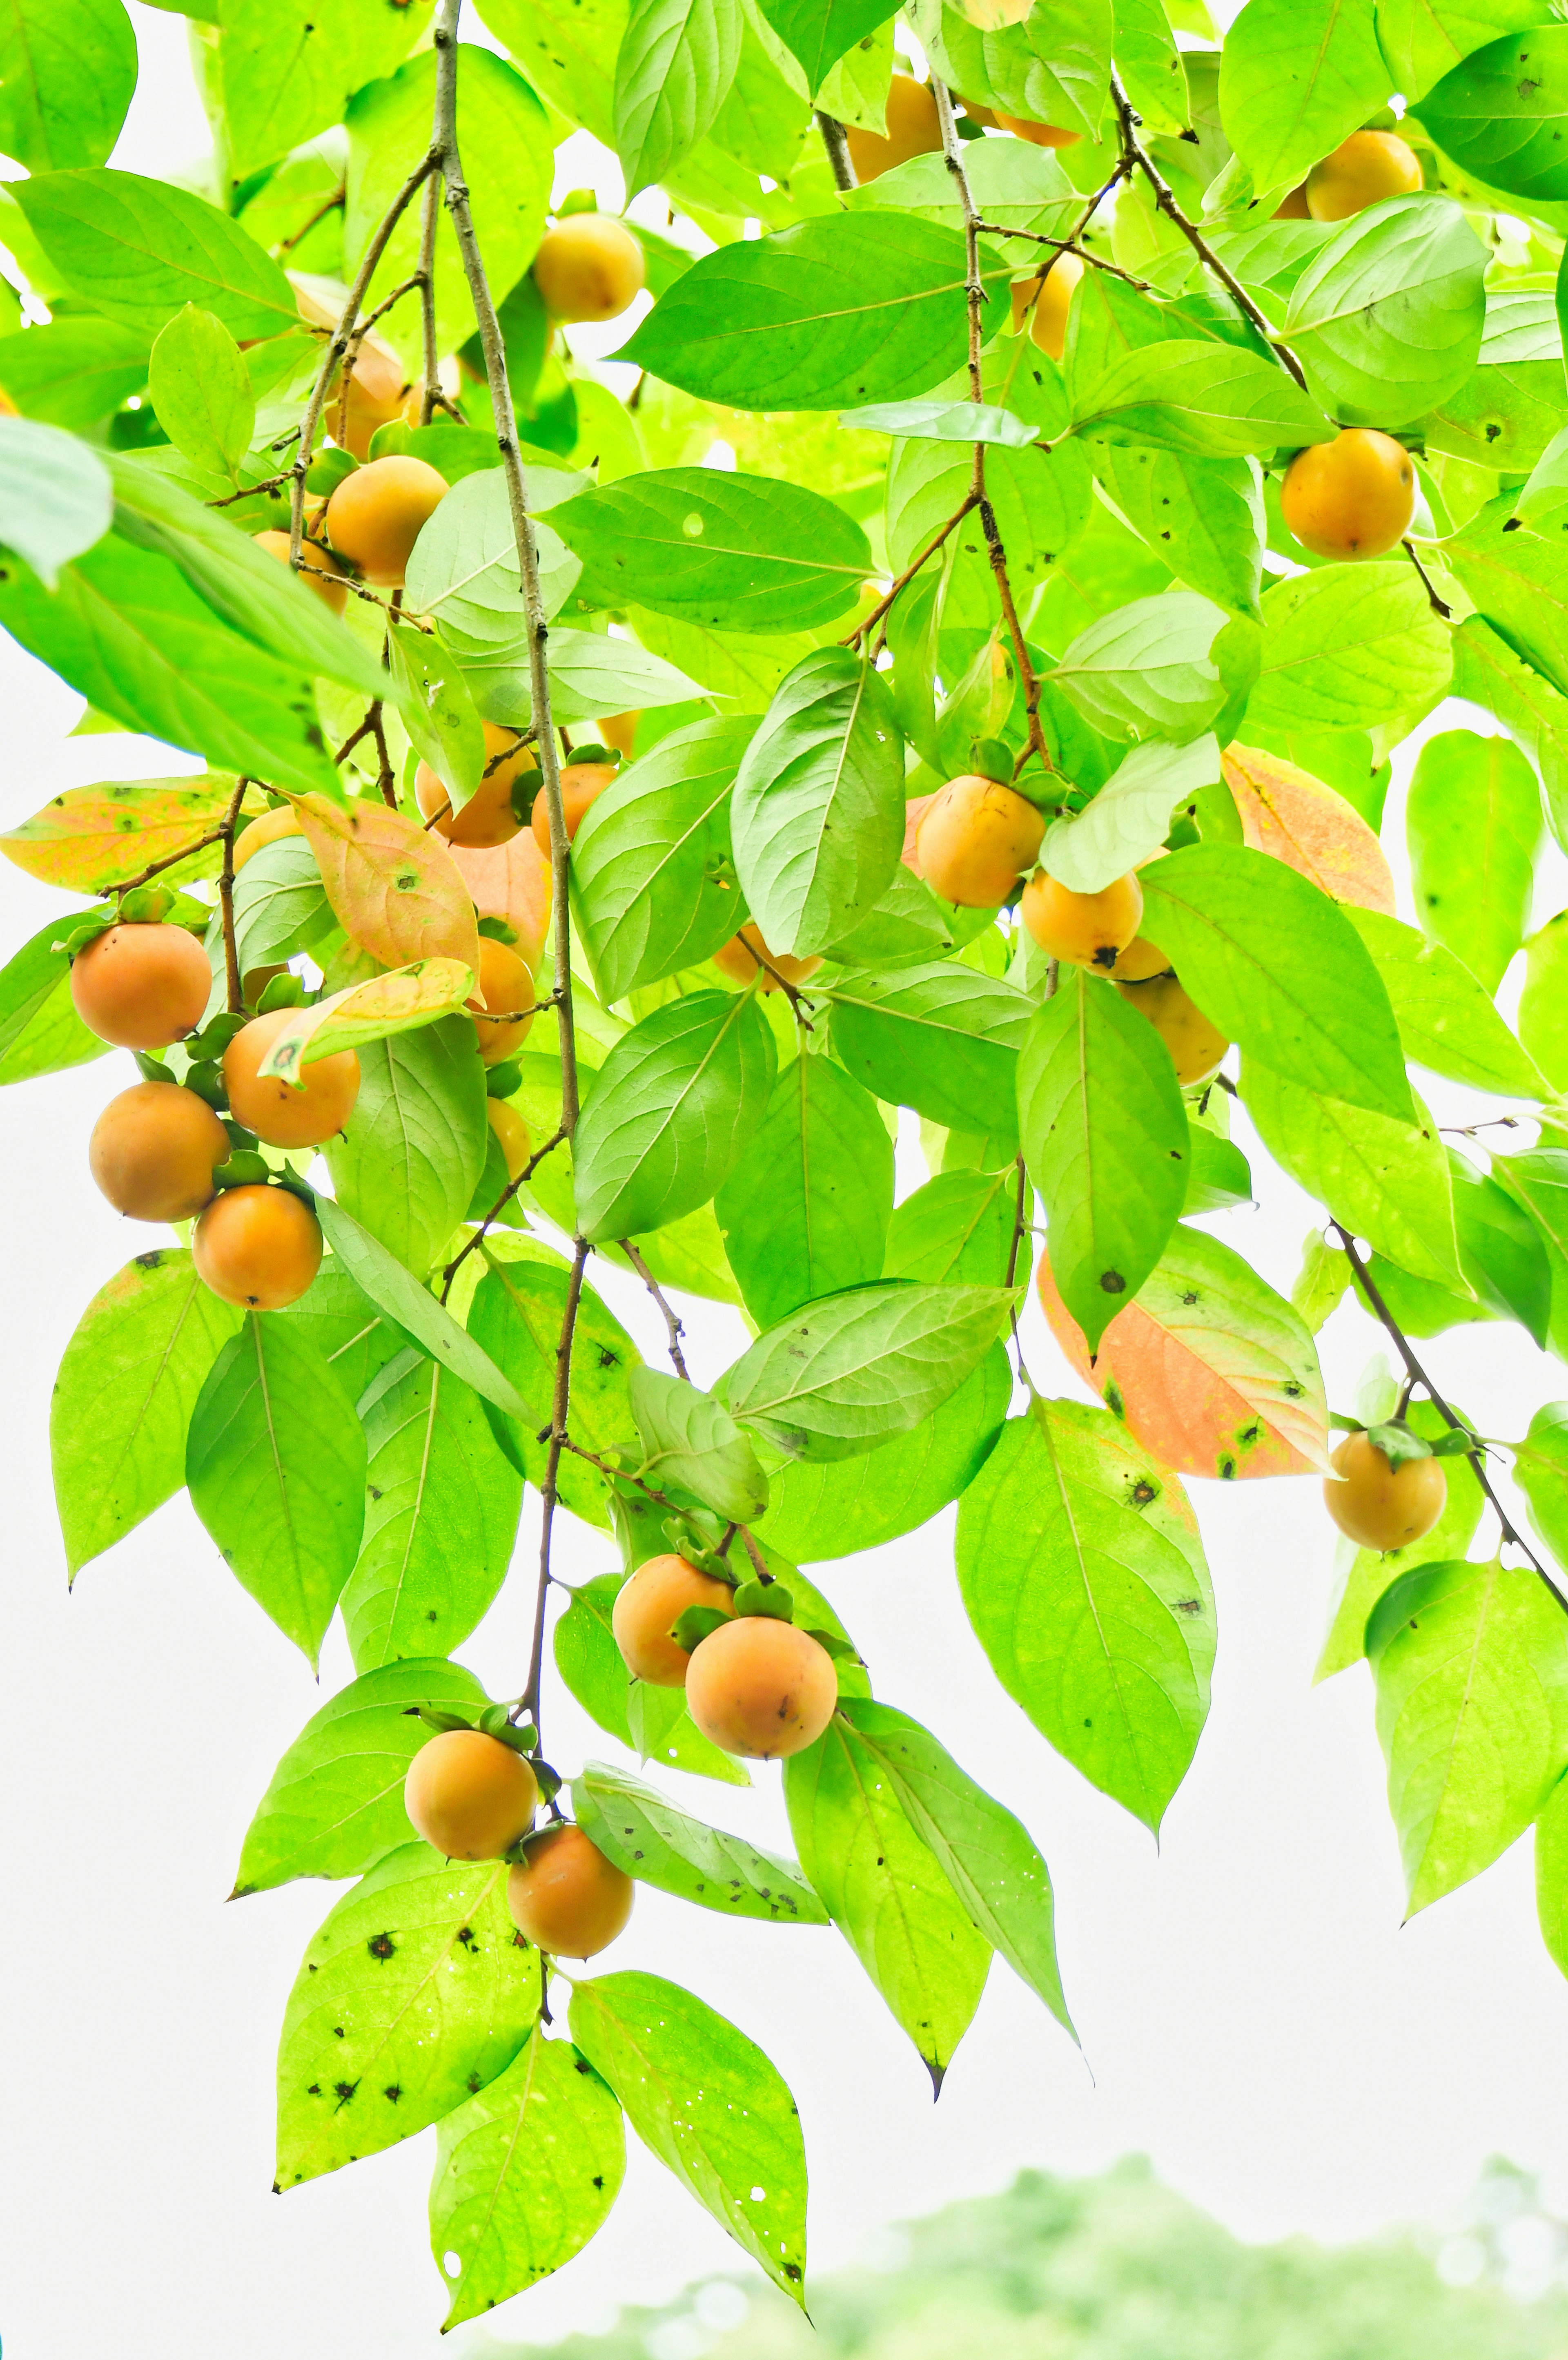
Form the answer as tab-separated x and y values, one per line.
670	1320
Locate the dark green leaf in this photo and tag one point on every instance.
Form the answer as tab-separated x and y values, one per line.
137	250
1499	115
805	1211
1214	400
73	372
957	1230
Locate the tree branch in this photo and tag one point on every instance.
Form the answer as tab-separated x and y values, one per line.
329	205
839	157
497	1208
431	386
1067	245
226	901
908	573
560	1405
670	1320
170	861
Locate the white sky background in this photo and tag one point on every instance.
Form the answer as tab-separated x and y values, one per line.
1254	2017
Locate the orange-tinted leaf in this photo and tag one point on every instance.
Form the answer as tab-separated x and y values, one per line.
913	813
511	880
397	1002
1213	1371
91	838
395	890
1294	818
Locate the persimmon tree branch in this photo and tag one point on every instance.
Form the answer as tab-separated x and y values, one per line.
838	155
226	899
909	572
430	382
1068	245
670	1320
560	1404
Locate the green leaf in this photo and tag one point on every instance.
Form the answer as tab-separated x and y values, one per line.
1150	66
708	2103
414	1310
463	569
843	1375
441	1517
692	1444
805	1211
563	47
942	1039
958	1228
1423	38
1447	1022
887	1890
1471	1665
819	32
139	250
67	72
735	551
517	1315
1515	570
1105	1136
847	309
588	675
1474	825
989	1859
409	1157
1387	320
1212	400
1499	114
1294	81
1147	670
526	2171
414	1994
945	422
1349	647
673	72
1500	1252
1202	516
650	1840
1387	1181
334	1806
122	1399
1052	67
274	1459
1509	411
1538	1181
653	879
1541	1470
1487	671
1552	1873
1543	1007
279	75
200	390
1361	1576
817	815
73	372
1278	967
55	496
1129	818
343	1323
280	905
438	708
669	1112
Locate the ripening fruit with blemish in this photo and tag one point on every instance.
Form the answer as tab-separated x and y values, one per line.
1379	1505
471	1796
377	515
1352	497
647	1608
1362	171
512	1133
914	128
1141	960
487	818
1041	303
582	784
319	569
761	1688
257	1247
589	267
734	960
270	828
141	987
503	1007
1038	135
1090	930
281	1112
976	839
1196	1046
565	1896
153	1151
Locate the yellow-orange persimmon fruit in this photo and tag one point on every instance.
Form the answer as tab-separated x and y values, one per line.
619	730
565	1896
977	113
761	1688
371	395
734	960
1088	930
319	569
1294	207
1379	1505
377	515
1196	1046
280	1111
647	1609
512	1132
502	1005
975	841
914	128
153	1151
1139	961
141	987
1352	497
1038	135
1041	303
471	1796
582	784
589	267
1362	171
258	1247
270	828
487	818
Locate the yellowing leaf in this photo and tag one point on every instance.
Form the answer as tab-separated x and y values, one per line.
395	890
510	881
1213	1372
397	1002
92	838
1291	815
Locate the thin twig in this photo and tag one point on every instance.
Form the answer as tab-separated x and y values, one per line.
249	491
670	1320
431	386
1066	246
226	901
331	204
909	572
838	154
1507	1529
497	1208
170	861
560	1405
755	1554
796	999
1440	606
